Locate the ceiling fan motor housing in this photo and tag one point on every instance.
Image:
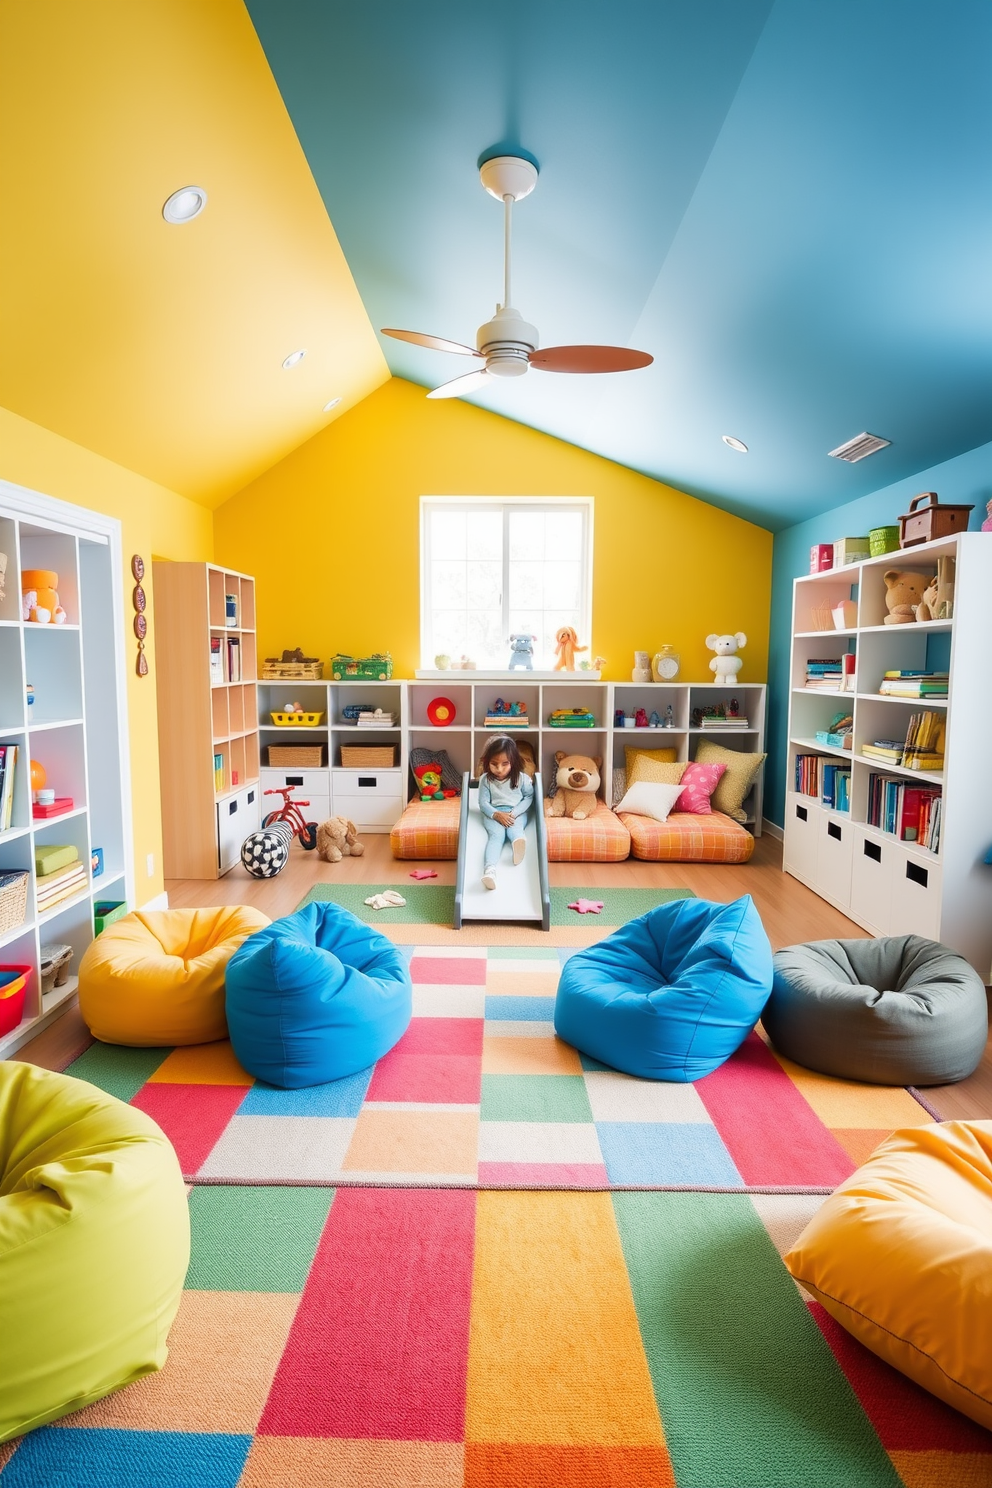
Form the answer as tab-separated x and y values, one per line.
506	342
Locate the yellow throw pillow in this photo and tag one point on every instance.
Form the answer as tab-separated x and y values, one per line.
662	756
736	780
665	772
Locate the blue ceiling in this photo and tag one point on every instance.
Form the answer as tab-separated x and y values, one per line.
788	203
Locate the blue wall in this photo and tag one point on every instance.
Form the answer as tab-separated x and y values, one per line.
966	478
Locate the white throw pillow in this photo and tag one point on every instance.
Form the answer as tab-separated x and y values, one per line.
650	798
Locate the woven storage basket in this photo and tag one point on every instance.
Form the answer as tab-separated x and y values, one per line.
299	671
301	756
13	900
368	757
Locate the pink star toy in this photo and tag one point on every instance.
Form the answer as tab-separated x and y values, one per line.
423	873
587	906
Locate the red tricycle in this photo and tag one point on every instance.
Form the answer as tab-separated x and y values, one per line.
290	812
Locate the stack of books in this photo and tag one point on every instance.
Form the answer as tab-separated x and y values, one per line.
809	774
889	750
924	747
835	789
233	658
376	718
723	721
8	765
914	684
825	674
61	882
504	721
568	718
909	812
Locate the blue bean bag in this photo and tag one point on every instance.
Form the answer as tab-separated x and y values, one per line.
671	995
316	996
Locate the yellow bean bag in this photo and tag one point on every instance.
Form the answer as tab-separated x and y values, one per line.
901	1256
157	977
94	1245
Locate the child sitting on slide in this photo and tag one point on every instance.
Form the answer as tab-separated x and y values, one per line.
506	794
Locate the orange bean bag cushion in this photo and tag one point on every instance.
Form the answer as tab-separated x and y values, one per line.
901	1255
156	977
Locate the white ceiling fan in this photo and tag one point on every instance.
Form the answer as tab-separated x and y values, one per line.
508	344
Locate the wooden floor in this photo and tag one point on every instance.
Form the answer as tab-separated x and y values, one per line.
789	911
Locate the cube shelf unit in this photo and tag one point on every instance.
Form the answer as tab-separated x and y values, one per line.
887	885
202	715
76	728
373	798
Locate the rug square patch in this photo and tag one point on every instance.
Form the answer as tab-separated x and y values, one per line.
942	1469
307	1149
666	1152
529	1056
508	1465
535	1098
467	971
448	1001
433	1079
193	1117
847	1104
530	1009
539	1142
115	1069
503	983
458	951
616	1097
202	1064
440	1036
517	1028
523	954
337	1098
785	1216
254	1238
60	1458
859	1143
416	1142
224	1349
292	1461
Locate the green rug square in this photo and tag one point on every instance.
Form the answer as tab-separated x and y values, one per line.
434	904
534	1098
524	953
115	1069
254	1239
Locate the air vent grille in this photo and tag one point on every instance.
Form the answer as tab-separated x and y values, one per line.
857	448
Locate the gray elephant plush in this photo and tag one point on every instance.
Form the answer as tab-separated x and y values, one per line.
522	652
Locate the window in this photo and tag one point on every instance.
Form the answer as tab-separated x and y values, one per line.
490	569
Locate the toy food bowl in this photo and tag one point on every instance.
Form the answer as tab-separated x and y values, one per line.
441	712
13	983
297	720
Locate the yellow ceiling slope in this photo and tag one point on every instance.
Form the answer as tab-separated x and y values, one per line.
158	346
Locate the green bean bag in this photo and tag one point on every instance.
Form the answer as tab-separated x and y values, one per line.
94	1245
897	1010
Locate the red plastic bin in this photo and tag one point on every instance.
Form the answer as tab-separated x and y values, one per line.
13	987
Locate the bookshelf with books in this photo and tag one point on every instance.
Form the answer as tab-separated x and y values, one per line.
63	710
208	711
906	855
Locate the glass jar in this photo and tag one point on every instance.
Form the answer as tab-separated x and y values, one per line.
665	664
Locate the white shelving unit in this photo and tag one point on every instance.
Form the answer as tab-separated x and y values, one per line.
374	798
76	728
890	886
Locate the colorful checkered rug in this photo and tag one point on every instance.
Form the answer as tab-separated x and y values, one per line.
480	1093
434	904
412	1338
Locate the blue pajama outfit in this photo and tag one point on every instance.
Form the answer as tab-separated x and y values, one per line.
500	795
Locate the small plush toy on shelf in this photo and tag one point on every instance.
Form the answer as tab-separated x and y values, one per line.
428	778
39	597
566	645
725	665
521	652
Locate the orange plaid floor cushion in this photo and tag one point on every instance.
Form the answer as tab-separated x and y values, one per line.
427	829
601	838
688	838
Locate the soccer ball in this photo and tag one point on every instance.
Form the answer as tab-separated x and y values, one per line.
266	853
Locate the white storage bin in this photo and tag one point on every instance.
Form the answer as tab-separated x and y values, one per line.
802	816
835	840
871	879
915	896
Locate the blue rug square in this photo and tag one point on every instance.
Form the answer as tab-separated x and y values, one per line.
666	1152
81	1457
338	1098
521	1009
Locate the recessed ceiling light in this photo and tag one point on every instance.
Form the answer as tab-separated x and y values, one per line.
185	204
333	404
294	357
737	444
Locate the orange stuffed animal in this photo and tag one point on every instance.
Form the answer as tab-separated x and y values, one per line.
567	645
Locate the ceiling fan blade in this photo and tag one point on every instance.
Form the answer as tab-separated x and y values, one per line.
466	384
589	359
433	343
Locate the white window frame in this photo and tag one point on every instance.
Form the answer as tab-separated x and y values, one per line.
504	504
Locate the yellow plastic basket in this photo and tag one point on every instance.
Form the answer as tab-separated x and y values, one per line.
297	720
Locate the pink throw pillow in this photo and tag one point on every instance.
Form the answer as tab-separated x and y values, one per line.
698	784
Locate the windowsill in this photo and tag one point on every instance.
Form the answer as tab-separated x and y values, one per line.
518	674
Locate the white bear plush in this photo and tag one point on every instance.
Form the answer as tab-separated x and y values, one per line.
725	665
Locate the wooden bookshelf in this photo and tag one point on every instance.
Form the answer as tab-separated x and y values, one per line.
890	885
201	612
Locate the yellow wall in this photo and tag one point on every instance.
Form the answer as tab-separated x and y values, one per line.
154	521
332	536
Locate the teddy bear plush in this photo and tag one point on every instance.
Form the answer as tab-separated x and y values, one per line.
578	780
337	838
725	665
904	591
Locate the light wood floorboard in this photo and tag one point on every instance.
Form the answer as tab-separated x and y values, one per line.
789	911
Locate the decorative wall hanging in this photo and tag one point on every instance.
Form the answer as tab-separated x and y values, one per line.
139	600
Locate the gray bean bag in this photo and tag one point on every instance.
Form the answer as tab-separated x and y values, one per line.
899	1010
